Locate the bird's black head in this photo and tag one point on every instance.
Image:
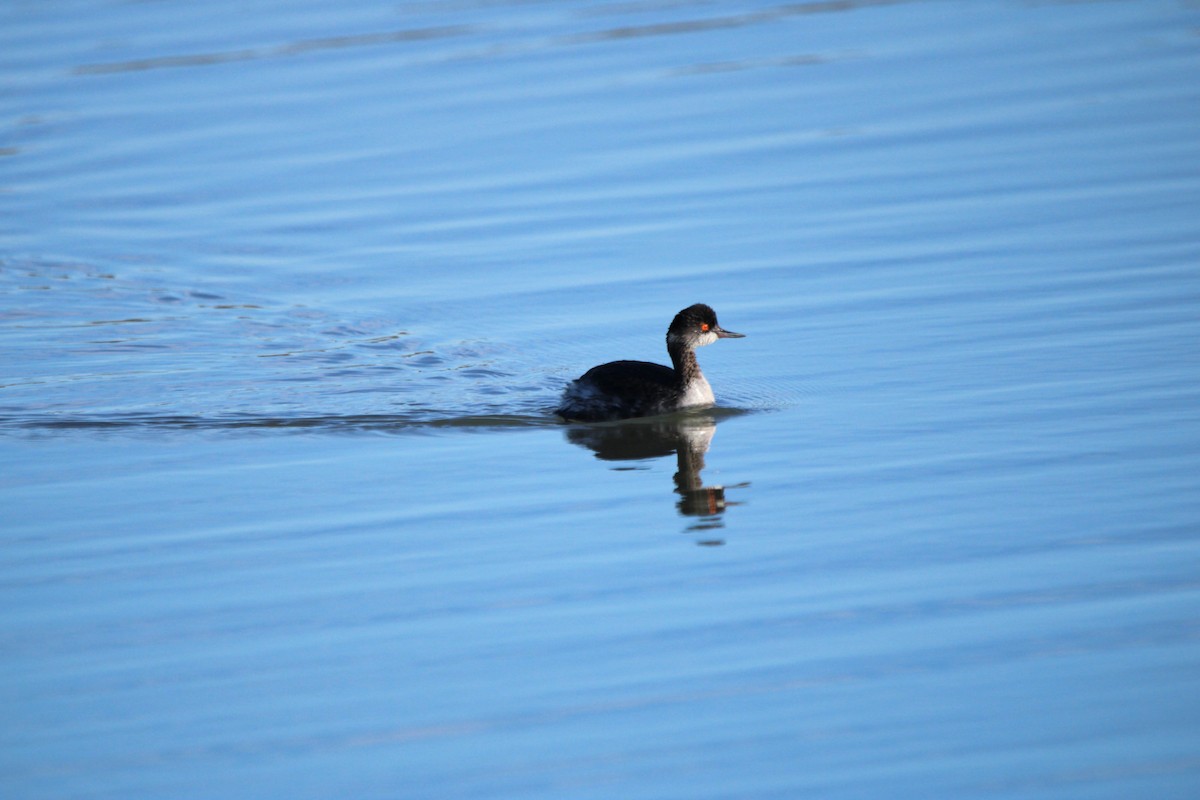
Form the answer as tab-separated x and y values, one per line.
697	326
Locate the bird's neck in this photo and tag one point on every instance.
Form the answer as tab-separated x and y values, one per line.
683	358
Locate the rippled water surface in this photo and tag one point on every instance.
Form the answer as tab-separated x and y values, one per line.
288	292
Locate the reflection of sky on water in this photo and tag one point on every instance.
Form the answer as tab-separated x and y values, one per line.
285	305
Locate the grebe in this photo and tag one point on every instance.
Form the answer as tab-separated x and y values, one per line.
623	389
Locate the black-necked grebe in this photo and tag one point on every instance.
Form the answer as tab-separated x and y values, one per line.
623	389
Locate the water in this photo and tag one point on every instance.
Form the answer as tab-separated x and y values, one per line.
288	291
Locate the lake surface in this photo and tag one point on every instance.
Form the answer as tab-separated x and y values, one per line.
288	292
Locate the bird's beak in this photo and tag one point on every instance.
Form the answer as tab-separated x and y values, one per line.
724	334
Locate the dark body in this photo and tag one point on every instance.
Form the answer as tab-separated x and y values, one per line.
627	389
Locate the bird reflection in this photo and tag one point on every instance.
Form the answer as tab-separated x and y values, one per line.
688	436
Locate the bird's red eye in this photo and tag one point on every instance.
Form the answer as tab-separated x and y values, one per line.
704	326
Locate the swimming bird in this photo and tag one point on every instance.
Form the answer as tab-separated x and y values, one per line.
623	389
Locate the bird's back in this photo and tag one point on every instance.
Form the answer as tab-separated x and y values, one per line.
621	389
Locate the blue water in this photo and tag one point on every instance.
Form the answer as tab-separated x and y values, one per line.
288	292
